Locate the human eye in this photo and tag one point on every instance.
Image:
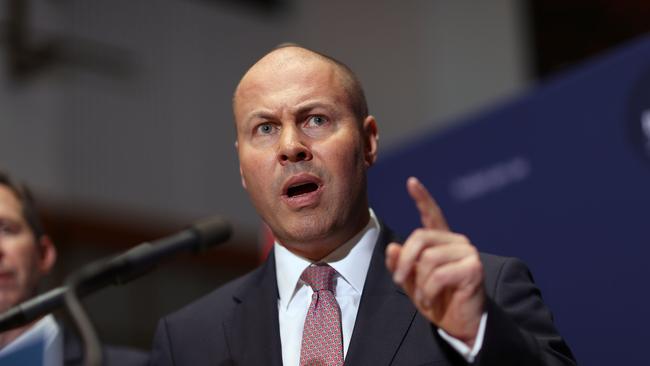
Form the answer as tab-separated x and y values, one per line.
265	129
7	228
316	121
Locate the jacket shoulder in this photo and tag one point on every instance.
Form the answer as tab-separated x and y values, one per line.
214	305
195	334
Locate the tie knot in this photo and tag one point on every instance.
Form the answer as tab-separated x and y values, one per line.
319	277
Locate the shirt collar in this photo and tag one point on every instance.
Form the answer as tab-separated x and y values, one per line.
351	260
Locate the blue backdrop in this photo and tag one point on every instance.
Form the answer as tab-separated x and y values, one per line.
560	178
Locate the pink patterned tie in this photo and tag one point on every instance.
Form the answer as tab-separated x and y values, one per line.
322	340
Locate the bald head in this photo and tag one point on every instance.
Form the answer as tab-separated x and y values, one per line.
288	58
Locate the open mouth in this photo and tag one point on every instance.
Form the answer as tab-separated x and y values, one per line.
300	189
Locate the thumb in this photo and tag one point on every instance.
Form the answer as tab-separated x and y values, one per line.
393	251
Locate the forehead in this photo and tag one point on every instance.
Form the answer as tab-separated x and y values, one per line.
286	78
291	63
9	204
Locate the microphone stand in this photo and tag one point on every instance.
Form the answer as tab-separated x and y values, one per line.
96	275
93	350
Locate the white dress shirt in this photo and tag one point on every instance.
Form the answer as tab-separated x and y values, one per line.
47	331
351	262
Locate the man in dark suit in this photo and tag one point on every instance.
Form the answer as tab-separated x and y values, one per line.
338	287
26	255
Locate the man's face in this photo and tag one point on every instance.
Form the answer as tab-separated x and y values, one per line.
303	153
23	259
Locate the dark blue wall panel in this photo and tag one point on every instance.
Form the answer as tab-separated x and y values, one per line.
560	178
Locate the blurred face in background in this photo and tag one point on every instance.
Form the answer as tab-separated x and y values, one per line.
24	259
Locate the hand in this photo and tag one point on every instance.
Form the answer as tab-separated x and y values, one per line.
439	270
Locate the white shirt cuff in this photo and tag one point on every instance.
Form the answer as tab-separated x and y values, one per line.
469	354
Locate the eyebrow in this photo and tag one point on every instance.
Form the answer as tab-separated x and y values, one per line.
314	105
259	114
8	219
302	109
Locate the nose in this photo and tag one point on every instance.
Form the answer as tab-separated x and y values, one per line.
292	148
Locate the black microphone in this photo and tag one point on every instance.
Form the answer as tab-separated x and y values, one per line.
142	258
31	309
119	270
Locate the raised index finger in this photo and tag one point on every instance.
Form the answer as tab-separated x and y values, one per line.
430	212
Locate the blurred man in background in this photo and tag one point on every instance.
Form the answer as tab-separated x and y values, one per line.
27	254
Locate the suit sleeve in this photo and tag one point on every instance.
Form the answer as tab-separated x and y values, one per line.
520	329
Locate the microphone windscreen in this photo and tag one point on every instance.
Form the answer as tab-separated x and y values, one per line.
212	231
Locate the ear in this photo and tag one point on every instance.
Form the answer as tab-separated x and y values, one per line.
243	180
371	137
47	256
241	174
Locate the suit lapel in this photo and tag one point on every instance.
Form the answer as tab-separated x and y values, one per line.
385	313
252	332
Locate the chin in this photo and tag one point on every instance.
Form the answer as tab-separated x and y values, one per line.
308	234
307	230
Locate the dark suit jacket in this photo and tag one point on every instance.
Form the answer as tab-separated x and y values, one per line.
238	323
